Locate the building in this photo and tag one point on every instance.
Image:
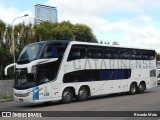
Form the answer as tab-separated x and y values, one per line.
44	13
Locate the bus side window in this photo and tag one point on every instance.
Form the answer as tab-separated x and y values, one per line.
144	55
95	53
77	52
60	51
116	74
137	54
44	76
106	74
107	54
115	53
53	52
125	54
91	53
151	55
127	73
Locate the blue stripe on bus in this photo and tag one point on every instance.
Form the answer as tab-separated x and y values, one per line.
35	93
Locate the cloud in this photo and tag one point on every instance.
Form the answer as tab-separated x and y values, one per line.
94	12
137	31
137	28
148	37
8	14
96	7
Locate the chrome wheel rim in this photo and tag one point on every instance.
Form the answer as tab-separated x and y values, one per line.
82	93
133	89
67	96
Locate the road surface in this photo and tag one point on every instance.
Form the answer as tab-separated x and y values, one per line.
148	101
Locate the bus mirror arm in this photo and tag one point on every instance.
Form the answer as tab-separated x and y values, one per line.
8	66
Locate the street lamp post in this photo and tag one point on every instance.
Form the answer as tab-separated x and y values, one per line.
13	46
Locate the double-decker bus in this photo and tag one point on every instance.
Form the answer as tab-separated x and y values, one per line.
64	70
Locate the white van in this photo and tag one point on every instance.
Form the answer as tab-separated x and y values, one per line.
158	76
158	71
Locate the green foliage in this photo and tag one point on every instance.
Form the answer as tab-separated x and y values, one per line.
64	31
158	57
83	33
26	34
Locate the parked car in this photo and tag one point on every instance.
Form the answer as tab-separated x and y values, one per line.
158	64
158	76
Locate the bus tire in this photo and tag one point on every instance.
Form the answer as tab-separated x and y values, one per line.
83	94
133	89
141	88
67	96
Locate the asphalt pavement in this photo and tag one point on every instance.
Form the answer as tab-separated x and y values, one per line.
148	101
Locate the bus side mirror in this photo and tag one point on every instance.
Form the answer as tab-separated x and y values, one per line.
8	66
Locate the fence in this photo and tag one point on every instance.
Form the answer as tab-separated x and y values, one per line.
6	89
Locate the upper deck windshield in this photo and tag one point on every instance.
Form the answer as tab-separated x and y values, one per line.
30	53
42	51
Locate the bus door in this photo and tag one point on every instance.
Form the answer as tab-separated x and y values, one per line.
45	84
124	85
107	87
96	88
120	81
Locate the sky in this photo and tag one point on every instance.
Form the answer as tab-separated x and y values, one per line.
132	23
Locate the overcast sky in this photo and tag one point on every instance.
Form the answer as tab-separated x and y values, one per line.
133	23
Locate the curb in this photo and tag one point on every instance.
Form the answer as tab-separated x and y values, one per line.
6	100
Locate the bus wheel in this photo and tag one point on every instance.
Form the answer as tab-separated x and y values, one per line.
133	89
141	88
82	94
67	96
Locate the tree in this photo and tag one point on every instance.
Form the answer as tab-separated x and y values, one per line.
158	57
83	33
43	31
26	34
63	31
2	29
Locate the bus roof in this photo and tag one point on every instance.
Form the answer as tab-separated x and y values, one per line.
98	44
87	43
52	41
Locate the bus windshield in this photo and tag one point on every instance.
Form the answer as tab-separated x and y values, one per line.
30	53
24	80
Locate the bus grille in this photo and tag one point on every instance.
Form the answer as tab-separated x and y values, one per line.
21	95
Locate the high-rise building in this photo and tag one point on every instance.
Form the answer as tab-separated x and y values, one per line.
44	13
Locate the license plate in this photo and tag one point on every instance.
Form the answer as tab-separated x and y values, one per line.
20	99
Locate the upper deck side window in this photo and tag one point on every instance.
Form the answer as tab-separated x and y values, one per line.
108	52
95	52
77	52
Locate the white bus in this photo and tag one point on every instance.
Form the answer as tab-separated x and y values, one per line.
64	70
